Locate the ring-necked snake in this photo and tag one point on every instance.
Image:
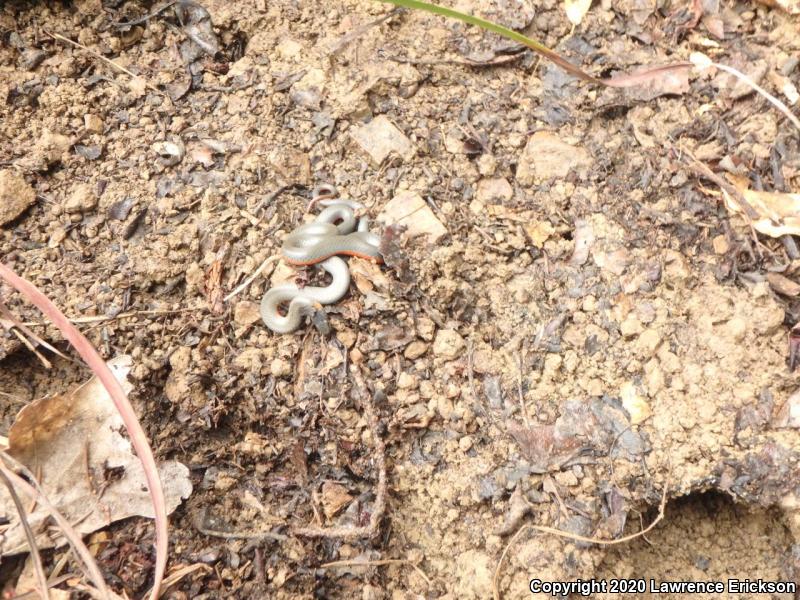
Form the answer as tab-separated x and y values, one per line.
335	231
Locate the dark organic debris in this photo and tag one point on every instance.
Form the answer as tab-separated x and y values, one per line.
764	477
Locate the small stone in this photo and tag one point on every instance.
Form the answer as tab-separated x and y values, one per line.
92	123
289	48
649	341
246	313
465	443
16	195
82	199
347	337
539	232
631	326
415	349
426	328
736	328
280	368
407	381
721	244
448	344
490	190
180	359
444	406
487	164
380	138
410	210
249	359
634	403
547	157
676	269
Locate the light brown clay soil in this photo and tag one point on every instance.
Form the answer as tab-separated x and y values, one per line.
592	329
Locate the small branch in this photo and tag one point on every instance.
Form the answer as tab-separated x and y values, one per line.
577	538
108	61
377	563
41	578
137	435
379	506
34	491
252	277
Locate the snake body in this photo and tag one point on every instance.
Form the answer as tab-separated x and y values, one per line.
335	231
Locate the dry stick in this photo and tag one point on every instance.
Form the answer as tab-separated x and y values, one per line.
578	538
35	556
377	563
241	535
7	314
379	507
125	315
183	572
34	595
32	489
114	389
345	40
769	97
252	277
108	61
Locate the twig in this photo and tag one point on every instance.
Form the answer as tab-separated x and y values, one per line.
702	62
377	563
35	556
181	573
7	314
495	588
32	489
252	277
379	506
108	61
114	389
240	535
346	39
147	17
701	169
578	538
472	389
125	315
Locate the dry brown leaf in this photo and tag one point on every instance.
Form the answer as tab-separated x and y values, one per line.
783	285
334	498
368	276
777	213
85	466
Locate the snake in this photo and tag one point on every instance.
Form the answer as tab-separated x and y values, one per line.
336	231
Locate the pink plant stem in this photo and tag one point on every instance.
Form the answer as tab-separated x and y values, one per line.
114	389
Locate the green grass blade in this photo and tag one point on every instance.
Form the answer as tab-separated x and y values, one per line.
534	45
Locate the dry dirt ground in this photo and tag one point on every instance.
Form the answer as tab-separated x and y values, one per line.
571	326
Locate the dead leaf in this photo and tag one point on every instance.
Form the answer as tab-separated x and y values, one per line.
777	214
576	10
541	446
86	467
367	275
334	498
539	232
789	414
584	239
298	459
783	285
